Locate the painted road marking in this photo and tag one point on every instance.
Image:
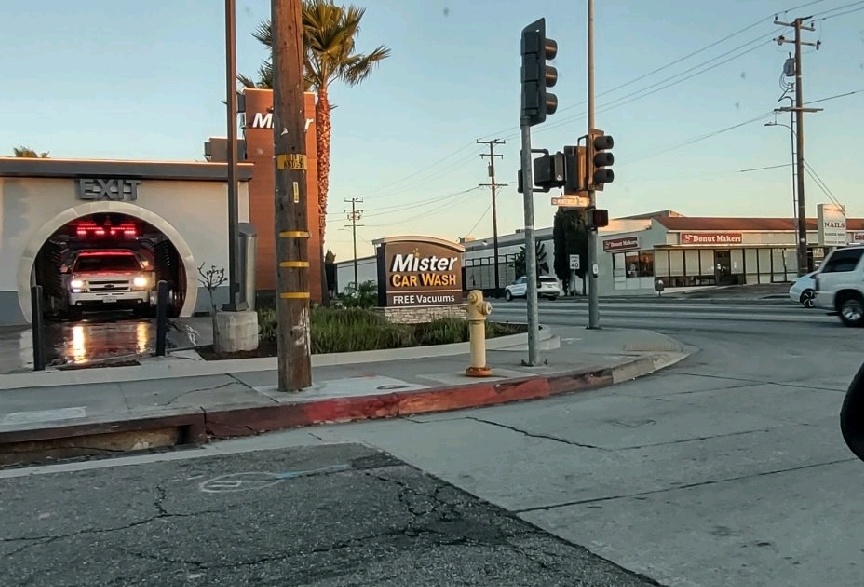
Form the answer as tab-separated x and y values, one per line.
257	480
43	416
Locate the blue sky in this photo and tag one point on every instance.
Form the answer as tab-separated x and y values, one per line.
112	79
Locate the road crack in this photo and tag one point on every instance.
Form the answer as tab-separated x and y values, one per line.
536	435
679	487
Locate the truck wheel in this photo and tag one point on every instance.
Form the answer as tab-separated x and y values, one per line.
852	310
74	313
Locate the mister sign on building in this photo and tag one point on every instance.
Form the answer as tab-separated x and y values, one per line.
419	271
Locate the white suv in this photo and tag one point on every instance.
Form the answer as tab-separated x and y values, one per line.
547	287
839	284
108	279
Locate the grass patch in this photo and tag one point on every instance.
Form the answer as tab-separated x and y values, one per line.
345	330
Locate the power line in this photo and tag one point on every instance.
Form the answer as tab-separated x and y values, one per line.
423	203
444	205
479	220
653	89
679	60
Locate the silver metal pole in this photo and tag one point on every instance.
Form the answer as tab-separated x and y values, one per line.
593	269
530	249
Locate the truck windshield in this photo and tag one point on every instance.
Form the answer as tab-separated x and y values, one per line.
106	263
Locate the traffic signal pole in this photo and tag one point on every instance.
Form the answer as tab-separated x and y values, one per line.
593	268
530	246
293	345
536	103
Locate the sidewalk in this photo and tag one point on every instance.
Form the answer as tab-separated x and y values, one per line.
113	416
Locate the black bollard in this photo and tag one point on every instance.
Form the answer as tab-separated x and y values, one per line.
161	317
37	324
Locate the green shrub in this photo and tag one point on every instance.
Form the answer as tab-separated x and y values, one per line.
441	331
364	295
267	325
343	330
347	330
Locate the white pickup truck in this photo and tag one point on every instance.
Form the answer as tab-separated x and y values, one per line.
106	279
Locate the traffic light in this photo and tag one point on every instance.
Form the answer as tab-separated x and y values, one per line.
600	160
595	218
549	171
537	75
574	170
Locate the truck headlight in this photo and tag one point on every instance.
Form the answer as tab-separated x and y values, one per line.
140	282
77	284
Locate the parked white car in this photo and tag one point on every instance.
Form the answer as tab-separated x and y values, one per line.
547	287
803	290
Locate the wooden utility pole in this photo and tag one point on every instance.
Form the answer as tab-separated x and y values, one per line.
799	110
292	224
494	185
354	217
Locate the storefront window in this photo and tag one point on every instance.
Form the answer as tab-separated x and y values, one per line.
691	262
661	263
706	263
633	264
676	263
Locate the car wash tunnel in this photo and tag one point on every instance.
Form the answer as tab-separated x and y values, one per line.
98	275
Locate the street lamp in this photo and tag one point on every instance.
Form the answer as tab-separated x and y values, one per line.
792	150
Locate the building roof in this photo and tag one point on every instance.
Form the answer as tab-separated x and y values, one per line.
695	223
38	167
649	215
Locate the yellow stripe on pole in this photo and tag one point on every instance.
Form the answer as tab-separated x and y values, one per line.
294	234
294	295
294	264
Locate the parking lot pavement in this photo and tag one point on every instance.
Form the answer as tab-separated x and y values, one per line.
326	515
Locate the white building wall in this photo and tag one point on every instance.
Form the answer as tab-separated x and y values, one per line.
31	209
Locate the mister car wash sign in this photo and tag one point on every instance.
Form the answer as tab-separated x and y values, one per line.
418	271
111	188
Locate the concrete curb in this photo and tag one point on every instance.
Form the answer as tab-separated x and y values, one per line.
30	446
169	367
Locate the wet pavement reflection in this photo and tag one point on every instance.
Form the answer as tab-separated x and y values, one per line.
98	337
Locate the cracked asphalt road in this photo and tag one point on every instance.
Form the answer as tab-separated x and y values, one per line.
329	515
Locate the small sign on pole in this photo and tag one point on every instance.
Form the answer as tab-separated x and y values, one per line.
574	262
571	201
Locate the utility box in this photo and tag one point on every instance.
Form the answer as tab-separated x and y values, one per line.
247	248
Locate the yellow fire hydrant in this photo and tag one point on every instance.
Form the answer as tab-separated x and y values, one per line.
477	311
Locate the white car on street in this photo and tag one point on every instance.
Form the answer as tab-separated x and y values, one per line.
840	284
803	290
547	287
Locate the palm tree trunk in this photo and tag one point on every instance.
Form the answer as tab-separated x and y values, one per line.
322	121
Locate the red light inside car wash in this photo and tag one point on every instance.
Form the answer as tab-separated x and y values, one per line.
88	229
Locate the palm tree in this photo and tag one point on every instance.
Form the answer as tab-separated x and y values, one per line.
329	36
25	151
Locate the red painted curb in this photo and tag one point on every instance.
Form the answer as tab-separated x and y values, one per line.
201	426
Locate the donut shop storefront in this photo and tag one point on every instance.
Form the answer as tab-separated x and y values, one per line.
686	252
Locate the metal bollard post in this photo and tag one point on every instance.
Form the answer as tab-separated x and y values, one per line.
161	317
477	311
37	325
